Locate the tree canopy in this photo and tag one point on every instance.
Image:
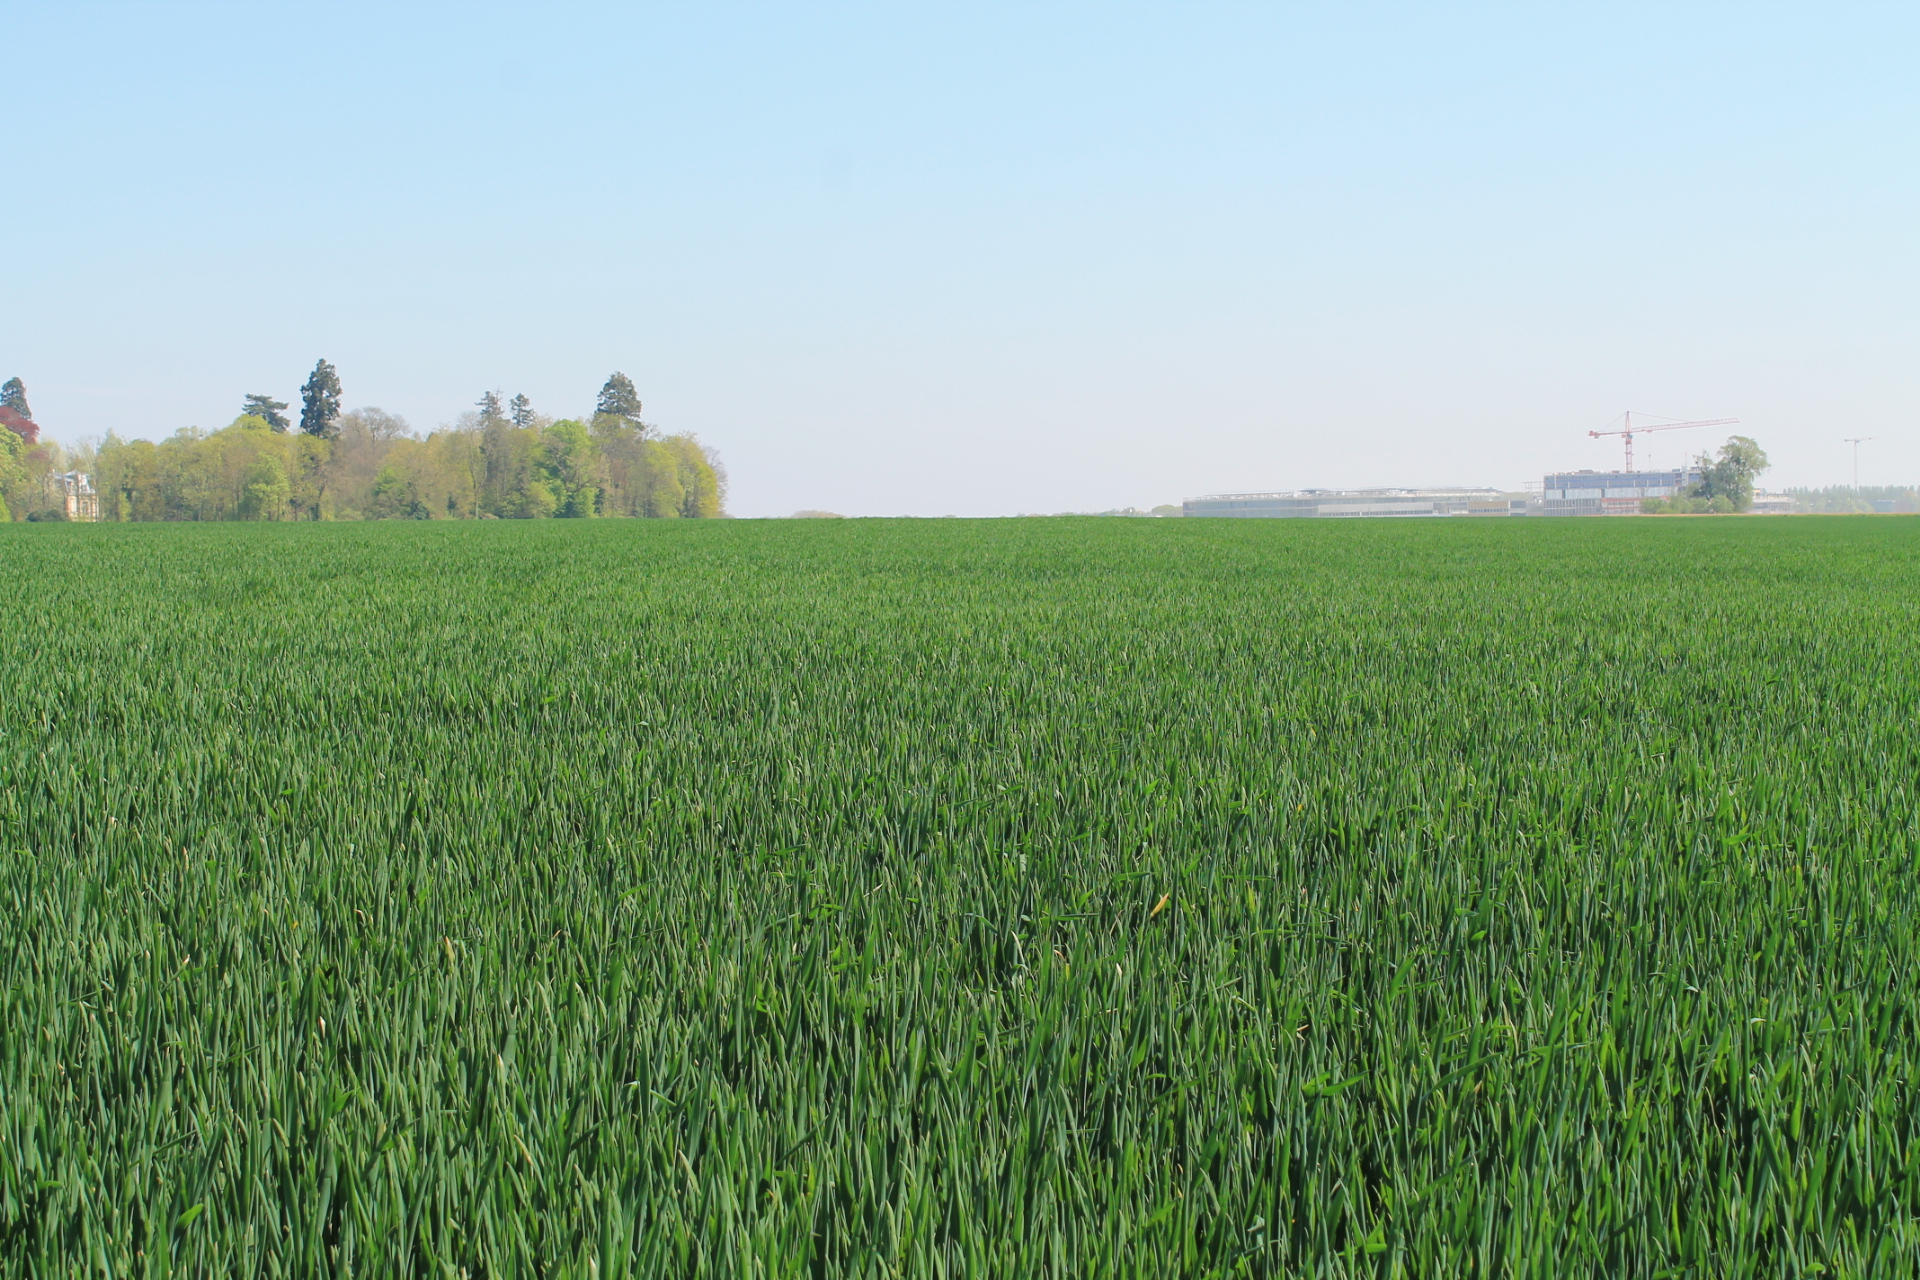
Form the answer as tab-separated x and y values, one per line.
1731	475
16	483
618	399
1725	484
14	396
268	410
320	402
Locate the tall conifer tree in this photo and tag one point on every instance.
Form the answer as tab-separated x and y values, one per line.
619	398
14	396
320	402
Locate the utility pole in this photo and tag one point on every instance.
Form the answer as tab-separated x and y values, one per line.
1856	442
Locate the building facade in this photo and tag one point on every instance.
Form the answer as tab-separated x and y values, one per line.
1609	493
72	491
1324	504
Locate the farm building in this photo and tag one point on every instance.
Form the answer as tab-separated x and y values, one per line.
1357	503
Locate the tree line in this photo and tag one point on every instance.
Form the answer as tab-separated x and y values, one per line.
498	460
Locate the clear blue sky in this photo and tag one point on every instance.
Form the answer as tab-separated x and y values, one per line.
980	259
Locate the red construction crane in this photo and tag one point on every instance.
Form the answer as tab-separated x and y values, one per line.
1630	431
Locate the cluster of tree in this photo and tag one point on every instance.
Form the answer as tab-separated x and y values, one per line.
1725	484
503	461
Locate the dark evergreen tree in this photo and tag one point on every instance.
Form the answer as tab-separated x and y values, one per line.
619	399
320	402
14	397
267	407
522	409
489	406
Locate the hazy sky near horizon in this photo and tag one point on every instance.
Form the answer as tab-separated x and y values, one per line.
986	259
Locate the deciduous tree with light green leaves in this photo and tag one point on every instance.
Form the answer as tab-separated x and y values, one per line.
396	494
14	480
572	464
267	489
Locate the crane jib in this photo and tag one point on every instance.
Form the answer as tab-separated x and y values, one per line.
1629	431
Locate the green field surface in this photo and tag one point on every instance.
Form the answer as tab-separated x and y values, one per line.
1024	898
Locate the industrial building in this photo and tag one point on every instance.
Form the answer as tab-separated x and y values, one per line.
1610	493
1564	493
1358	503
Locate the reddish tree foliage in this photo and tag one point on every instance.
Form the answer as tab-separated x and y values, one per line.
24	427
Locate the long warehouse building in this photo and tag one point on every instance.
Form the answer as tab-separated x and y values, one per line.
1357	503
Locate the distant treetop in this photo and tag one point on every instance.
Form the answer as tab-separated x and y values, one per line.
619	399
320	402
14	414
14	396
268	410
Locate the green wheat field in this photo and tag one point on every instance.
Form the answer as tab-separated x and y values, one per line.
1036	898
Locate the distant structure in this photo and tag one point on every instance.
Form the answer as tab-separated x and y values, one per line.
1619	493
1610	493
1325	504
72	491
